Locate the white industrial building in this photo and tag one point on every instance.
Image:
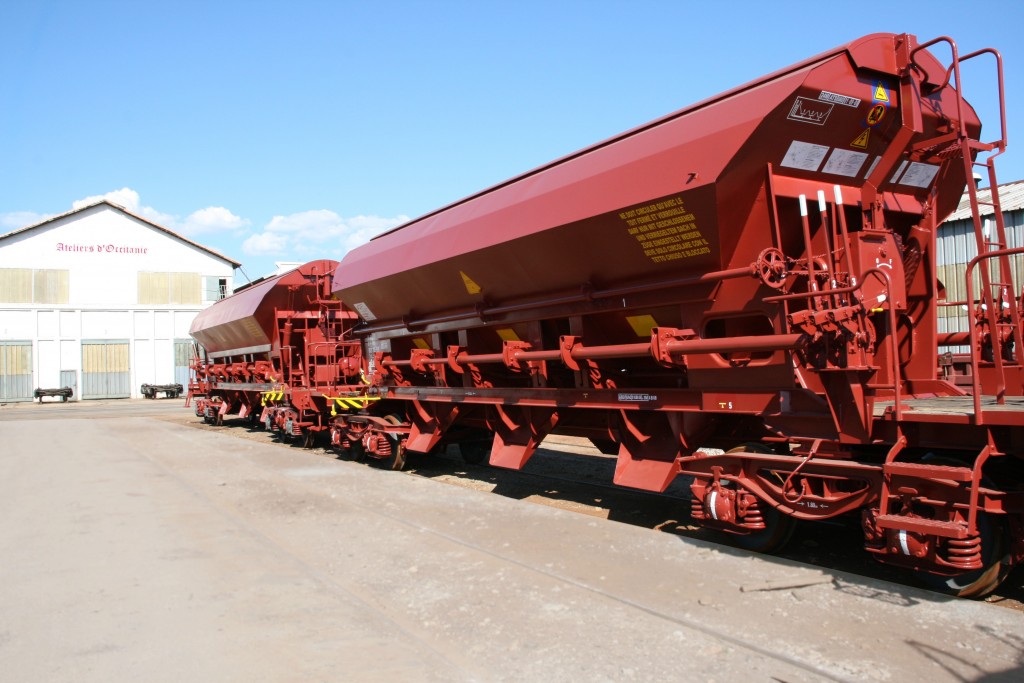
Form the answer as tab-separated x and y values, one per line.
101	300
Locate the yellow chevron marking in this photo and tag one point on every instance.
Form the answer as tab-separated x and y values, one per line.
508	334
350	402
471	287
642	324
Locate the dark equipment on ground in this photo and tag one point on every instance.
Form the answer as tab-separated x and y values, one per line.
168	390
64	392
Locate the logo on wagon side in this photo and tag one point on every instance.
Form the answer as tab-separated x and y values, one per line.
810	111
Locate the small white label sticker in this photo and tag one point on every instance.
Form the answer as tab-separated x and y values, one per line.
364	311
804	155
899	172
810	111
844	100
919	175
637	397
871	168
845	162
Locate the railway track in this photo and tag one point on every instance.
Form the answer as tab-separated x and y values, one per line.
571	475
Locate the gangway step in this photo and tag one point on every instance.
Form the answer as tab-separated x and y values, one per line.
927	471
921	525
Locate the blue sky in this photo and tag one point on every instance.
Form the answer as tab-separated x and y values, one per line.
286	131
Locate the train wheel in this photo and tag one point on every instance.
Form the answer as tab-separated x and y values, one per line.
980	582
776	534
475	452
778	526
309	439
397	459
994	561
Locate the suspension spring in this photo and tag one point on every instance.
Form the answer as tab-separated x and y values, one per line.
696	508
965	553
754	517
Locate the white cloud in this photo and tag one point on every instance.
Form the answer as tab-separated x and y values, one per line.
126	197
265	244
299	236
320	232
212	219
20	219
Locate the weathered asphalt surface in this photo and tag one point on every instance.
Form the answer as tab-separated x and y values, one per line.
132	548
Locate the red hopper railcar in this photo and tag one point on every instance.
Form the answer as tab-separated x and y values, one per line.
744	293
280	352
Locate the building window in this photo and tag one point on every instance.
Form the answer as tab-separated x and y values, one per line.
214	288
51	287
28	286
170	288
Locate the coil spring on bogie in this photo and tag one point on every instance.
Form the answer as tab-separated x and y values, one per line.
383	446
965	553
291	427
754	516
697	508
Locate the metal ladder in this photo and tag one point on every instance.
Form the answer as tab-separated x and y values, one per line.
959	142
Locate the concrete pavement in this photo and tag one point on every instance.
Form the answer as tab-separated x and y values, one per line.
138	549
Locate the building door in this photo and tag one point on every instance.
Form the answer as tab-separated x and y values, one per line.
15	371
69	378
105	371
183	355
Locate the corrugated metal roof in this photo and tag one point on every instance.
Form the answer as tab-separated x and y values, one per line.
1011	195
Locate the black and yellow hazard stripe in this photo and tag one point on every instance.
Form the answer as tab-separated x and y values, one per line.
349	402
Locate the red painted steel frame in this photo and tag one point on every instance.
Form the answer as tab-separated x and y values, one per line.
678	287
671	288
280	351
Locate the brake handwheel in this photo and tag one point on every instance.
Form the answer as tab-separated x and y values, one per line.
771	267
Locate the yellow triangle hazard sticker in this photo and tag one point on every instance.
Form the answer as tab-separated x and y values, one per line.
880	94
471	287
861	141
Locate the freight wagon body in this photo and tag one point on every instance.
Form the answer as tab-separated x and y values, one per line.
743	293
690	194
279	351
665	250
755	273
